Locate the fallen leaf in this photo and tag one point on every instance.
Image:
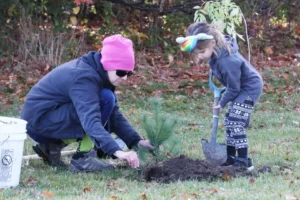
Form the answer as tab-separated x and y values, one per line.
180	63
121	189
252	152
29	182
47	194
168	155
131	110
251	180
29	81
226	177
195	195
144	197
87	189
193	124
113	197
9	101
212	191
269	51
181	197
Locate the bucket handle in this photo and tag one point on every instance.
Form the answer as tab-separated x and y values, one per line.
4	140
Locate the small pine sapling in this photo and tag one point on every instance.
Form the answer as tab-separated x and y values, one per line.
159	130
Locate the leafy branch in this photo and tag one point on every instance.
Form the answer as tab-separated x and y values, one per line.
225	14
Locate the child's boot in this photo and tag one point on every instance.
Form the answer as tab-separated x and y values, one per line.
230	156
244	163
230	161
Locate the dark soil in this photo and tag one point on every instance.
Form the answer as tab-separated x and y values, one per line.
183	168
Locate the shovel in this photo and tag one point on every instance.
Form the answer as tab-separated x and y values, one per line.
215	154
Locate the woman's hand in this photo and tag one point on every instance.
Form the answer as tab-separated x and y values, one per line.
130	157
145	144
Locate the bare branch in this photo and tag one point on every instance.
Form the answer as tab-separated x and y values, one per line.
142	6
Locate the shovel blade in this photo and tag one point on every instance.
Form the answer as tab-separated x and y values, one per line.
215	154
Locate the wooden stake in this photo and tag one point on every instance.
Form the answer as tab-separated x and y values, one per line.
115	163
36	157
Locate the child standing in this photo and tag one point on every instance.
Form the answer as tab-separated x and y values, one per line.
242	81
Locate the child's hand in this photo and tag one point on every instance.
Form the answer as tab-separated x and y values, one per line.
218	107
145	144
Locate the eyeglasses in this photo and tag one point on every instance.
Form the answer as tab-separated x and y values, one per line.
122	73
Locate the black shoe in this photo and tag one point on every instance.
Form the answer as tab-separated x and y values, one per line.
50	153
244	163
120	143
250	163
101	154
230	161
84	162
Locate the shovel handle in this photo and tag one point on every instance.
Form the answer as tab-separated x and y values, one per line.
217	91
216	112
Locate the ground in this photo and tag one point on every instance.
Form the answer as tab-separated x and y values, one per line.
184	168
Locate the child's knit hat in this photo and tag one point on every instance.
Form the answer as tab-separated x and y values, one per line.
117	53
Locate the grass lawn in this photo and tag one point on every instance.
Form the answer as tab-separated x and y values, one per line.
274	138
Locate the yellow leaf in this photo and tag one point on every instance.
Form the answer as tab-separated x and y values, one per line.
113	197
76	10
73	20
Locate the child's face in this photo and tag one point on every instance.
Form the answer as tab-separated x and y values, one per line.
114	79
204	54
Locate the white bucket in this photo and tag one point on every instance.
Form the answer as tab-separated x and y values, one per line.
12	136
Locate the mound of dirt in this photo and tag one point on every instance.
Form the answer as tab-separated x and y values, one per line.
183	168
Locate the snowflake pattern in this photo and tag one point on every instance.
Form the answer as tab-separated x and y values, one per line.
236	120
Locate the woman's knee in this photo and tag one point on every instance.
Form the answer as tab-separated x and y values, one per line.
107	96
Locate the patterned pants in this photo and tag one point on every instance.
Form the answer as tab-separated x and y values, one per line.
237	118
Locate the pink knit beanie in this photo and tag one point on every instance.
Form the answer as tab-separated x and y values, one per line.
117	53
